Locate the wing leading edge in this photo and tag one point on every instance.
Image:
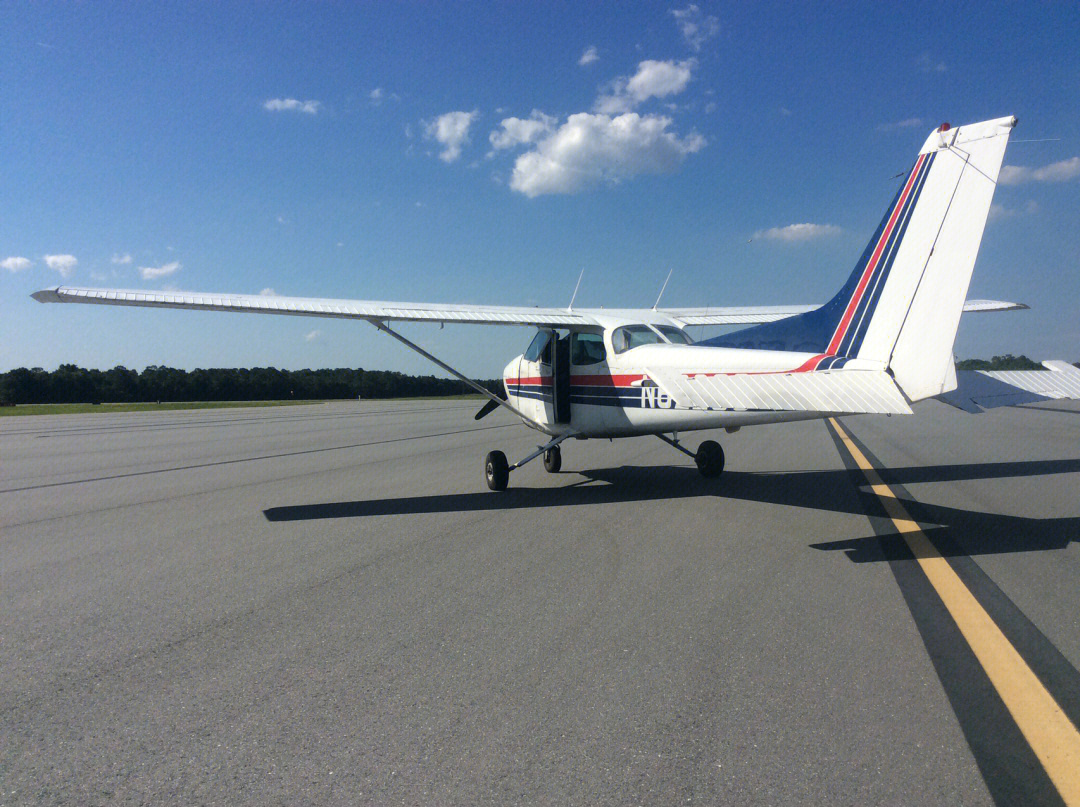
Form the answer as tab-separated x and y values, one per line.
368	310
383	311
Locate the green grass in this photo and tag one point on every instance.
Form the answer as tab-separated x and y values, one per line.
78	409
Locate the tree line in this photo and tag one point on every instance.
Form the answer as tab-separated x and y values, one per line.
72	384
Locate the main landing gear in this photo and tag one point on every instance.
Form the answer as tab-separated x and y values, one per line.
709	459
497	470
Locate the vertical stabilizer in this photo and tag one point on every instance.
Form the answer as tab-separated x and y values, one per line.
901	305
922	305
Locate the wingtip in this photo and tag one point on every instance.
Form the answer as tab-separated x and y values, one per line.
48	295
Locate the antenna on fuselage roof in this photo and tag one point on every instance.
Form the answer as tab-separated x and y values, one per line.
574	295
661	294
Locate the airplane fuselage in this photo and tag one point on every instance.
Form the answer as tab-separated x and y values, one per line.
595	384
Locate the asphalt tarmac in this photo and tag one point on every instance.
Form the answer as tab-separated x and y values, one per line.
325	605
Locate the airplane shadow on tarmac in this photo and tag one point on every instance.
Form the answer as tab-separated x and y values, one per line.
955	531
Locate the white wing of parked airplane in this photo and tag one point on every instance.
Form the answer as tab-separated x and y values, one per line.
383	311
988	389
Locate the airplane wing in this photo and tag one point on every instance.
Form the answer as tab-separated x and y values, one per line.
369	310
383	311
755	314
988	389
841	391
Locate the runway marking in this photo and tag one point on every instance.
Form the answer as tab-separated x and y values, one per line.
1052	736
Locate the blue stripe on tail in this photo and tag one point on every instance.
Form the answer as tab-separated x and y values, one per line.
813	331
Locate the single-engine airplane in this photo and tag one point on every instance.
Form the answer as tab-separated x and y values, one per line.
883	342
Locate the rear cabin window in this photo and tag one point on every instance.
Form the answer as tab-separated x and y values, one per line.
540	348
587	348
630	336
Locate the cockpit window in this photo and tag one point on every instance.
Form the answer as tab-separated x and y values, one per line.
676	336
631	336
540	348
587	348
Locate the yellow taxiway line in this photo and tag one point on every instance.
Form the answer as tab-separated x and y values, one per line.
1052	736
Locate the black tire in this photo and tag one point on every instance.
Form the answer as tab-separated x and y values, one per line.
553	460
710	459
496	471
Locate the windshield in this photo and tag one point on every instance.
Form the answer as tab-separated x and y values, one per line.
676	336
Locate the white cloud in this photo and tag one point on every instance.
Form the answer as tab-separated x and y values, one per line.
1055	172
117	258
697	29
1002	212
268	292
64	264
452	131
589	56
520	131
154	272
376	95
798	232
785	112
16	263
653	79
590	150
311	336
928	64
907	123
291	105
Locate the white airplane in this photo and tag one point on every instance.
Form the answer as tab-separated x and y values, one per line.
882	343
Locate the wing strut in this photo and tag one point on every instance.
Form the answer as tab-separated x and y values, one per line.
478	387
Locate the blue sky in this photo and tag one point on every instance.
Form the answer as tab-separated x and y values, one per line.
488	152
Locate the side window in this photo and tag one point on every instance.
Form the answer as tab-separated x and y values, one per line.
539	349
587	348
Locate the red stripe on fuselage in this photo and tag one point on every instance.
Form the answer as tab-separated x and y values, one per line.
583	380
871	265
807	366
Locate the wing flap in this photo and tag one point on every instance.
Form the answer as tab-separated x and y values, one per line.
314	307
837	391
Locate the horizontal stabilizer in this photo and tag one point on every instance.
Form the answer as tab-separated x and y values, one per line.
988	389
840	392
758	314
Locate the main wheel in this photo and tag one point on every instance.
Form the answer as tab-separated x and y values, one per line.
496	471
553	460
710	458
